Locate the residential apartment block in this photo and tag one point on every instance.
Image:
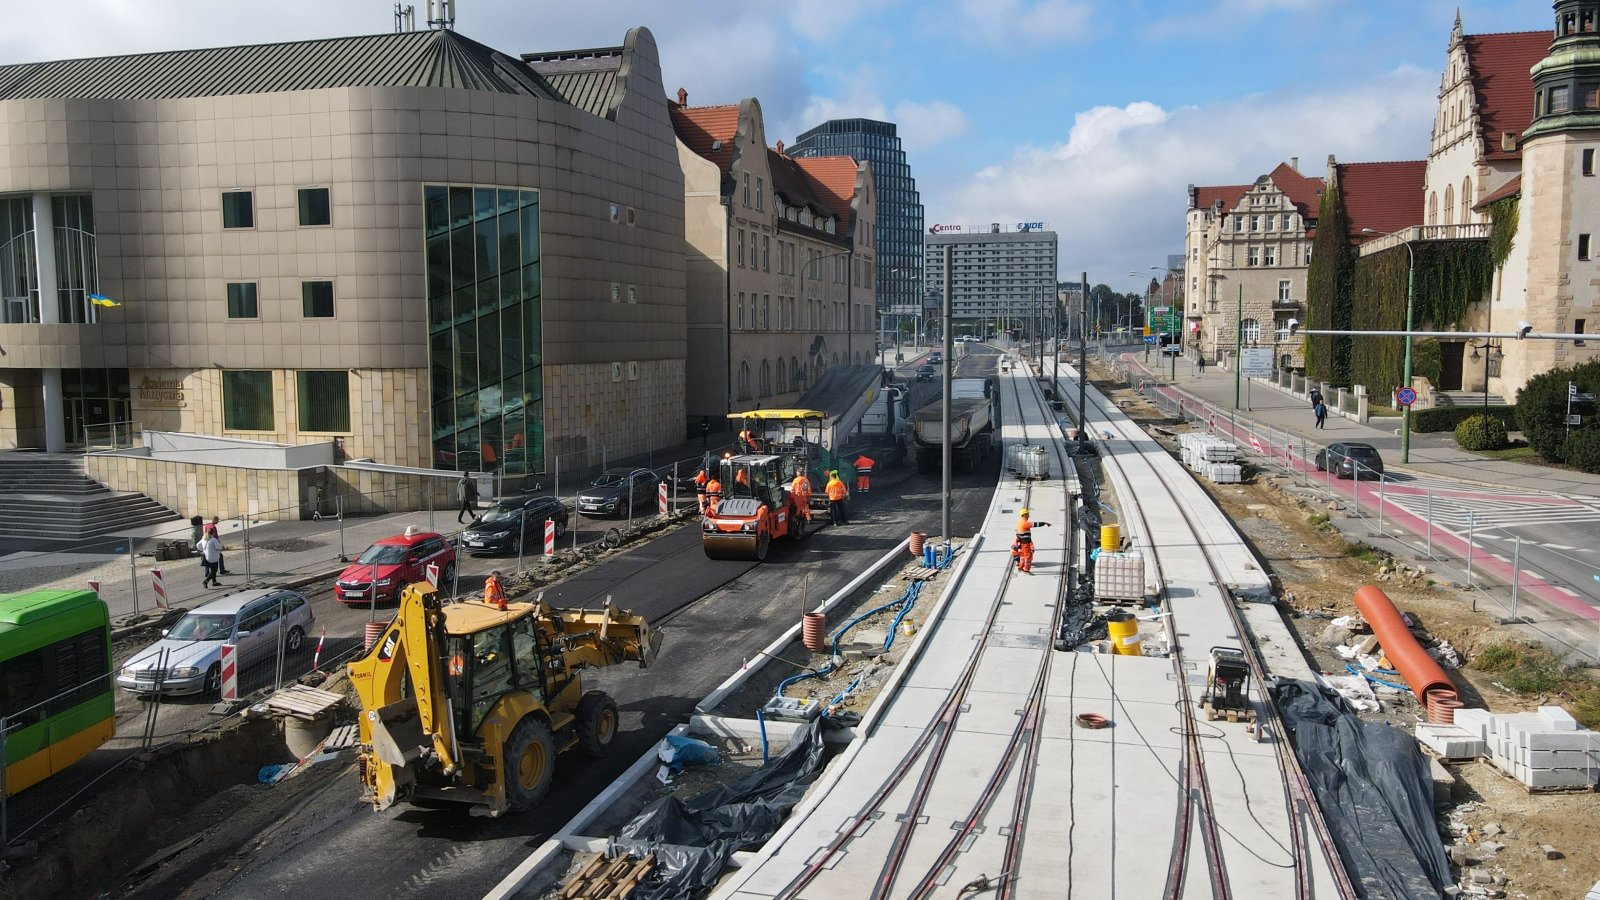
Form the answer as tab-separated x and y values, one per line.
994	274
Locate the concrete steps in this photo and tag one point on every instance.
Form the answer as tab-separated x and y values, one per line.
1466	398
47	499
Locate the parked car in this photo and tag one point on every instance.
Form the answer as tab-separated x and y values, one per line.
498	531
392	563
926	372
188	658
609	494
1343	459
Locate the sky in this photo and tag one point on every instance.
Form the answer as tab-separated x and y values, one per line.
1090	116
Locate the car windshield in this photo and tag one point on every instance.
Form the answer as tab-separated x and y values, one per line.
1362	452
201	626
503	513
608	479
383	555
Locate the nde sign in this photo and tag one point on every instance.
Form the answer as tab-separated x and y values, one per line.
1030	226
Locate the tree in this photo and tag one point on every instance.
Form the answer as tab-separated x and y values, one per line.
1542	407
1328	288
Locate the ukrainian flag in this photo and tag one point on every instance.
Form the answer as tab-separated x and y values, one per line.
103	300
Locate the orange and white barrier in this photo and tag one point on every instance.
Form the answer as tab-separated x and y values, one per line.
230	672
549	537
661	498
160	585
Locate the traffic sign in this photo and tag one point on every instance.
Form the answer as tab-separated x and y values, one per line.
431	573
1149	339
1407	396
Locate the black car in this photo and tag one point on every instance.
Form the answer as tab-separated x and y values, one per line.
608	494
1344	459
926	373
496	531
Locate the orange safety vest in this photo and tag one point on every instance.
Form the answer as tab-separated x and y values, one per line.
700	479
493	593
837	490
863	464
801	487
742	477
713	488
1024	530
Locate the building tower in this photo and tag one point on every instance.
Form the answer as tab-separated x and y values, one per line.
899	226
1560	215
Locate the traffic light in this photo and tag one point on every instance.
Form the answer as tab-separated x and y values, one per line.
1147	331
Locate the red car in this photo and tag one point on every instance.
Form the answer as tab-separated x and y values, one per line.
394	562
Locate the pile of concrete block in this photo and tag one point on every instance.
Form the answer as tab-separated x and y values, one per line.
1119	576
1210	456
1545	750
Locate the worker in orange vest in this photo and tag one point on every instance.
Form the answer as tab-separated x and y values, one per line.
837	495
713	495
494	593
742	479
700	479
1022	548
863	464
801	489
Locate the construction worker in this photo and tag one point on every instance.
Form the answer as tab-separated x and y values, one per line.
700	479
837	495
863	464
741	477
744	440
1022	548
494	593
801	489
713	495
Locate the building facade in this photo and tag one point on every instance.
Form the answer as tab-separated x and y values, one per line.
781	261
995	274
900	216
411	243
1247	249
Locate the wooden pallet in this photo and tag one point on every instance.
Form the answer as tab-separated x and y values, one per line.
1572	789
920	573
1231	715
303	702
607	879
1118	601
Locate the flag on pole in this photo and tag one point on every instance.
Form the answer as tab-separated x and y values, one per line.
103	300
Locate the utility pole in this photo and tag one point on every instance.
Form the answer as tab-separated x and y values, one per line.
944	400
1083	363
1238	348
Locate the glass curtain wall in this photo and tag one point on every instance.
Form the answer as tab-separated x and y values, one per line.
77	273
19	274
484	321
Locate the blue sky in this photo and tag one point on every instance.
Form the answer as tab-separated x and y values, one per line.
1091	116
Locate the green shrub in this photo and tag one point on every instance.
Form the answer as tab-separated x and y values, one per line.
1542	406
1523	668
1481	433
1582	450
1446	418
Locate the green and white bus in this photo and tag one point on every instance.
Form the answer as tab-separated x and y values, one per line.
56	703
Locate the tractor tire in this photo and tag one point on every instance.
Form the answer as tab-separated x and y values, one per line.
596	723
763	543
530	763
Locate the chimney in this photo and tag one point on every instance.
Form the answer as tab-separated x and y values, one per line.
683	97
780	145
1508	142
1294	163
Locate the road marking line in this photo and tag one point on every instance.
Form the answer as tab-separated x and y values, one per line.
1569	592
1559	547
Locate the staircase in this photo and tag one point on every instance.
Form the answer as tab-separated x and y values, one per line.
1466	398
45	499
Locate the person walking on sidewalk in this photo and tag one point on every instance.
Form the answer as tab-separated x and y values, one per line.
210	556
467	493
1200	364
1321	411
222	562
1316	397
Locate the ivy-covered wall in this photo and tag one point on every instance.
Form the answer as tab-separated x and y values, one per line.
1449	276
1328	291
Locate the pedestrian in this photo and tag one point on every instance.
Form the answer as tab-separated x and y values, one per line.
494	593
837	495
700	480
800	488
863	464
222	563
210	557
705	432
1200	363
197	532
1321	411
1316	397
713	495
467	493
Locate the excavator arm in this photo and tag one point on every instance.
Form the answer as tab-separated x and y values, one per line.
594	638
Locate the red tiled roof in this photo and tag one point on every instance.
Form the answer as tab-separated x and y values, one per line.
1382	196
1305	193
833	178
701	126
1500	64
1229	194
1509	189
796	186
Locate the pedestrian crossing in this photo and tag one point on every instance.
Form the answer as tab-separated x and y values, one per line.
1458	507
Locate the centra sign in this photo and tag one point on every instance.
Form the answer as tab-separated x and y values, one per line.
941	229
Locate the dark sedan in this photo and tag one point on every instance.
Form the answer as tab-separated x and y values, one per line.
611	493
497	531
1345	459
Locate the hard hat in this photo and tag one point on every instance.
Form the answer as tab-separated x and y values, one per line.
1023	511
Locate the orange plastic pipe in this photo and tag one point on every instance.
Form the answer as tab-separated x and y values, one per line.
1405	654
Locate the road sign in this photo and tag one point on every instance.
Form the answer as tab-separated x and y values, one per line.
1406	397
1149	339
1574	419
431	573
1256	362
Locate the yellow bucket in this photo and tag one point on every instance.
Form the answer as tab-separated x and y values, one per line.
1110	538
1123	629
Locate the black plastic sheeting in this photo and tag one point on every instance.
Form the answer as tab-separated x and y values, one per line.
1373	786
693	840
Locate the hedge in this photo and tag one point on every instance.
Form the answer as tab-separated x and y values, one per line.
1481	432
1446	418
1582	450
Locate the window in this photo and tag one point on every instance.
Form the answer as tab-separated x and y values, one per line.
740	256
766	312
238	210
1588	162
1269	256
747	189
741	310
242	300
1270	220
1560	98
1238	224
1283	289
1591	96
759	192
314	207
1285	222
1577	328
766	253
1255	223
316	299
247	401
1583	246
1252	331
1253	257
324	400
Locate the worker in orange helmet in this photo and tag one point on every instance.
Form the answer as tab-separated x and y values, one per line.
713	495
800	489
837	495
700	479
1022	548
494	593
863	464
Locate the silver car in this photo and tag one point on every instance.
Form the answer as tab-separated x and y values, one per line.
188	658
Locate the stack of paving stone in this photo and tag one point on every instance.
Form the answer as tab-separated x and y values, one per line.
1545	750
1210	456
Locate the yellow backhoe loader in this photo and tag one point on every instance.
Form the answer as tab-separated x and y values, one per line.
470	703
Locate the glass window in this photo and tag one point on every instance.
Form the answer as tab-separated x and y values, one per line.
491	670
766	253
238	210
1583	246
77	270
1252	331
316	299
19	276
759	192
1283	289
747	189
1560	98
741	310
323	400
242	300
740	256
314	207
247	401
1588	162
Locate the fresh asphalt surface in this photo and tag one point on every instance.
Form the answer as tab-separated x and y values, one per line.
713	614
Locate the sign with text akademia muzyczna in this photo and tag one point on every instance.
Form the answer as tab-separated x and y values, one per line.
162	393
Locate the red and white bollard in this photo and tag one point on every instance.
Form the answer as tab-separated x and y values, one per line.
160	585
230	672
549	537
316	656
661	498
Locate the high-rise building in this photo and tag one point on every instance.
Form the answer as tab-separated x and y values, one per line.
899	225
994	274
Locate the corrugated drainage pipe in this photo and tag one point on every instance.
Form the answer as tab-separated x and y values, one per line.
373	631
814	632
1442	706
1422	674
917	538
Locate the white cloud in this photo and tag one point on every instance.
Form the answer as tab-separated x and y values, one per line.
1114	187
923	125
1006	24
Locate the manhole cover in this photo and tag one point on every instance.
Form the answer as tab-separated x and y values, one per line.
287	545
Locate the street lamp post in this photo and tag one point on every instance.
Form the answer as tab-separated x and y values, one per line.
1405	372
1490	348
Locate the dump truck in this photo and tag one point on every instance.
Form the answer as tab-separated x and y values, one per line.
471	703
971	434
756	509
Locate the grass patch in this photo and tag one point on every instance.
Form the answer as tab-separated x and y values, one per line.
1513	453
1525	668
1585	707
1317	520
1365	553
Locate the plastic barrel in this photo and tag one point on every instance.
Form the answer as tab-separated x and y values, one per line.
917	538
814	632
1110	538
1123	630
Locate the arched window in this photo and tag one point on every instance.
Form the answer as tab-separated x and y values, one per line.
744	381
1252	331
835	361
1466	200
1449	204
783	376
1433	208
797	373
766	379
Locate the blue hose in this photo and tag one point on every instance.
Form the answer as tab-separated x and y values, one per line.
1357	670
761	720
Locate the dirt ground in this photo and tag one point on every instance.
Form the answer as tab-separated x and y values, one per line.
1318	576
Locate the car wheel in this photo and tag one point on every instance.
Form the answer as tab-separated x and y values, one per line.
447	575
561	528
515	547
295	640
213	686
529	756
